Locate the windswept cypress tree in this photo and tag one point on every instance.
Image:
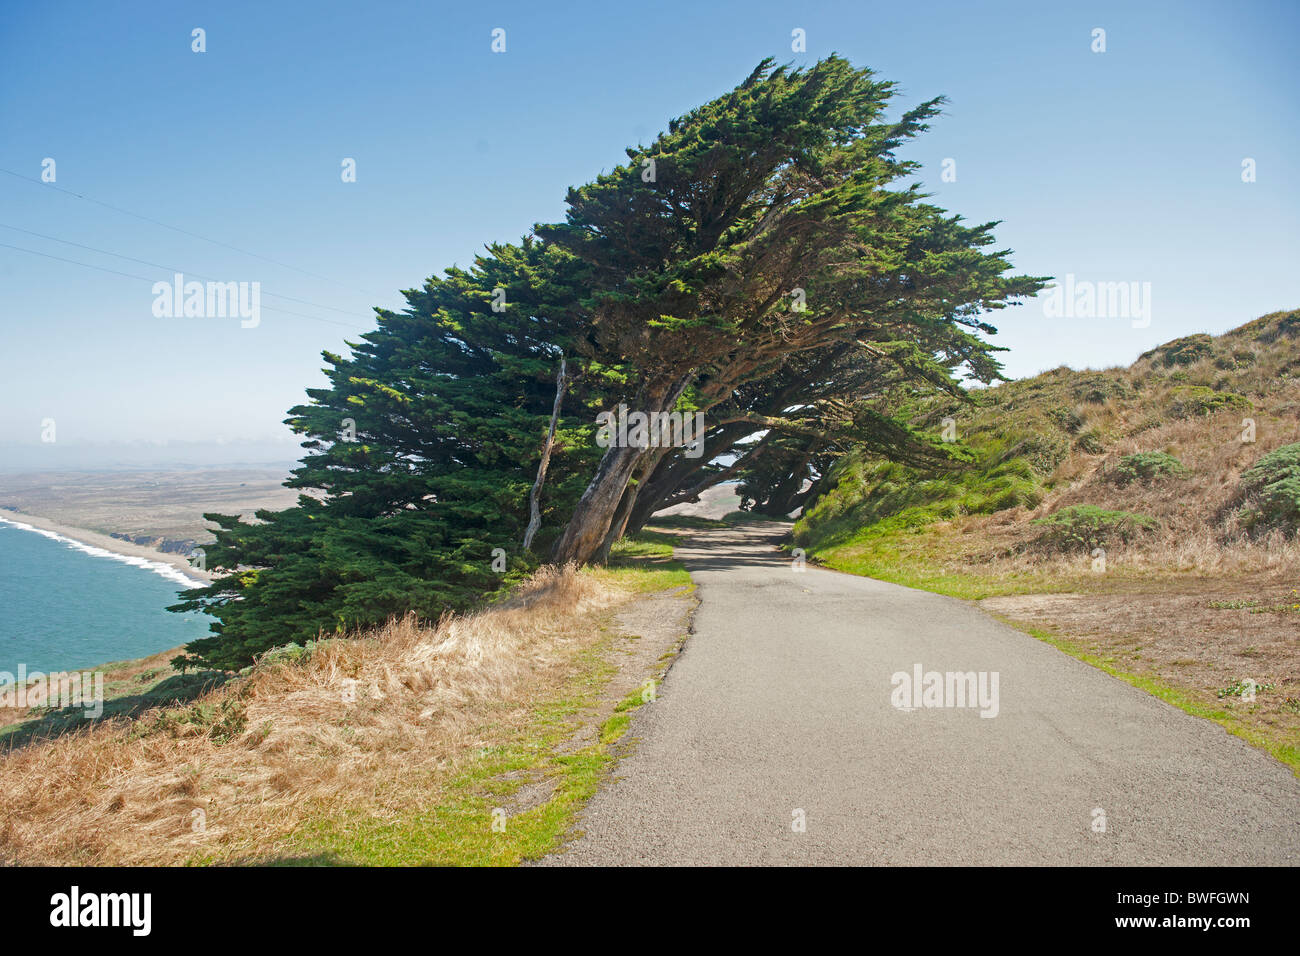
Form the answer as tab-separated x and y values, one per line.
760	262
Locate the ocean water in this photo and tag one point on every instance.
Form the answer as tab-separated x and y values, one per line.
65	605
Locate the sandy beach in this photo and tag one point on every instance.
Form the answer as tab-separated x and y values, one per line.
114	545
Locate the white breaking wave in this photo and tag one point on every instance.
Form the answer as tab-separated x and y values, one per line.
168	571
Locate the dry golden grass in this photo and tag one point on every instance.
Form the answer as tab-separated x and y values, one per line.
998	548
1199	528
1198	513
265	753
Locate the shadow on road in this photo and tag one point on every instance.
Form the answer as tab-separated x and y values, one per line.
755	544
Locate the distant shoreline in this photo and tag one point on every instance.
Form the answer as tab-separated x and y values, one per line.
125	549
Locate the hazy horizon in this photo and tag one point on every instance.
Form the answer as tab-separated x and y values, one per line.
147	455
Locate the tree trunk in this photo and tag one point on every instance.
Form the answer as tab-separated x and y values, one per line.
535	512
619	526
661	483
595	511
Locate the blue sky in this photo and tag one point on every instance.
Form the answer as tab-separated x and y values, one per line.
1115	166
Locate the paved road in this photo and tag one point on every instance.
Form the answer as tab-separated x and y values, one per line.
781	702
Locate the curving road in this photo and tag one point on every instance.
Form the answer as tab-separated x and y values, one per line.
781	711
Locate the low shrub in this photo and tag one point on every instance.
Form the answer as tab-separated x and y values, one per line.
1148	466
1092	527
1272	489
1192	400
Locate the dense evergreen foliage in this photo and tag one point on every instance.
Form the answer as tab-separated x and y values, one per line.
422	450
760	263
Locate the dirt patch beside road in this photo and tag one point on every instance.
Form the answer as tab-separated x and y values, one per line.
1205	638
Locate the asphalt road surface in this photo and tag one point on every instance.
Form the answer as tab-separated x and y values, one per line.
780	736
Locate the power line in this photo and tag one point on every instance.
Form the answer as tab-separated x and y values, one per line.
146	262
184	232
129	275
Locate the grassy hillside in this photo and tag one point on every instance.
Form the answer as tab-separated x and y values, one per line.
1161	438
1122	514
